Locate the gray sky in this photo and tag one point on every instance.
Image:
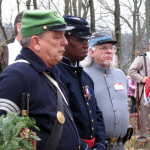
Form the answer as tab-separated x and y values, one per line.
9	11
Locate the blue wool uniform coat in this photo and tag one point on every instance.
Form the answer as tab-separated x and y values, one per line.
87	116
21	78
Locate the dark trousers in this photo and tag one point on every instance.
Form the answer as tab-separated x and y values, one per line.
133	105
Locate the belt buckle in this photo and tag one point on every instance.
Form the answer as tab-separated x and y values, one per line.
113	140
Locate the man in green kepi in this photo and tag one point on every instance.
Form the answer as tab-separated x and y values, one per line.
34	72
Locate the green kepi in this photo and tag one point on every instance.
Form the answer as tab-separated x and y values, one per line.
39	21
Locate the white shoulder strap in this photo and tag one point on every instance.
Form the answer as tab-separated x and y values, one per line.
48	76
21	60
56	84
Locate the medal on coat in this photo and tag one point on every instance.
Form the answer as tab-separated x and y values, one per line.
88	93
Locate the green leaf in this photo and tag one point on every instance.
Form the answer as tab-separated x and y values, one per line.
10	127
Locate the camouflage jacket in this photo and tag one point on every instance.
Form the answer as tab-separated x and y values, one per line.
4	54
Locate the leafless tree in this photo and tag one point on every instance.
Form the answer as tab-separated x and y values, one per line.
1	25
74	6
133	19
147	6
79	7
92	14
35	4
67	7
18	5
118	31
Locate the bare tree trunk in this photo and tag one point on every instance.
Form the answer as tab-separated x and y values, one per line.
85	7
18	5
49	4
79	7
92	13
1	25
147	6
66	11
35	4
118	31
28	2
134	30
140	30
70	8
74	4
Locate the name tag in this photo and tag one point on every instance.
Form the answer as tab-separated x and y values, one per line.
118	86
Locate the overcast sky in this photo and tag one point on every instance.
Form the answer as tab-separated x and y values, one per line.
9	10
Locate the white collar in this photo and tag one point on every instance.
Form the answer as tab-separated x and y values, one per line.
148	54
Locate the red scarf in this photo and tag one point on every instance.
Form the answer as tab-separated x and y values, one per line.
90	142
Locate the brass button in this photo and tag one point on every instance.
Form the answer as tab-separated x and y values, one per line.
75	71
69	33
60	117
85	96
87	103
90	112
45	27
92	120
115	110
79	147
116	122
24	113
92	129
91	136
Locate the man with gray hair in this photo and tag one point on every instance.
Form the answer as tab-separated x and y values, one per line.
110	87
34	72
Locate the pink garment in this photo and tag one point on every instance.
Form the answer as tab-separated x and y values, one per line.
147	92
131	86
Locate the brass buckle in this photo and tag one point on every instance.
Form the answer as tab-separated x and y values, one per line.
113	140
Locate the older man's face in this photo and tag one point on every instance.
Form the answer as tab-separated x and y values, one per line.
77	49
103	55
52	47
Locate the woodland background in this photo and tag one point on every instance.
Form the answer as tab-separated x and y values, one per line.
127	21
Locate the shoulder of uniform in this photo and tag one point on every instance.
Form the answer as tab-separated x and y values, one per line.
5	43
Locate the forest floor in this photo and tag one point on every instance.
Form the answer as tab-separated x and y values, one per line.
133	144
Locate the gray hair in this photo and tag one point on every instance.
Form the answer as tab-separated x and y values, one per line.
88	60
25	42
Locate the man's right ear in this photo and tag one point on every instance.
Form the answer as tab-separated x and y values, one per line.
35	42
18	27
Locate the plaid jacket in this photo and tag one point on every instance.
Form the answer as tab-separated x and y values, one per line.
131	86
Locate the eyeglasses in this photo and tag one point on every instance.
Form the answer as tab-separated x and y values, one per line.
106	48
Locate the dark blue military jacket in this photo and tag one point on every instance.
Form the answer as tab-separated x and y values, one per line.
87	116
21	78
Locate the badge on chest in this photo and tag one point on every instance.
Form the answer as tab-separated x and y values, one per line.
88	93
118	86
